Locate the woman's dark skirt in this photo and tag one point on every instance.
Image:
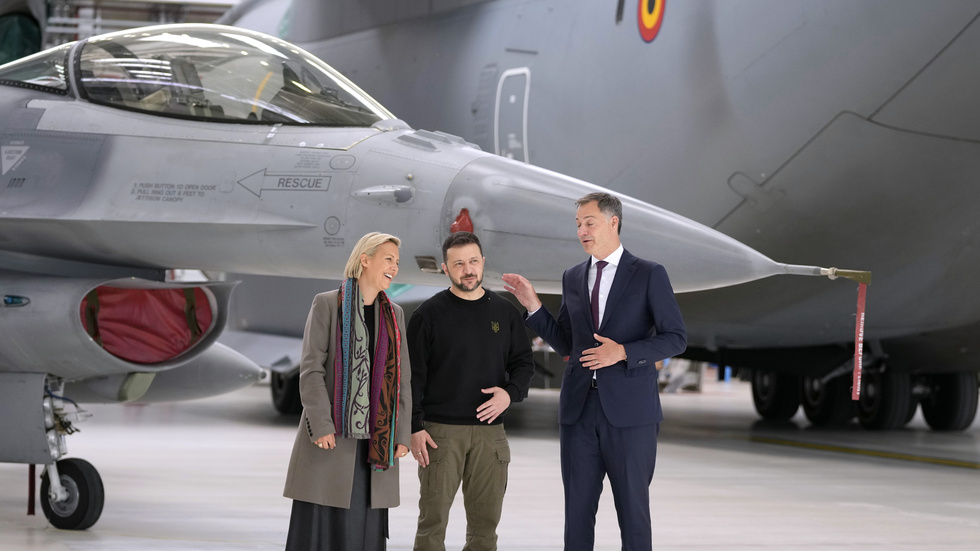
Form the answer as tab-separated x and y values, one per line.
315	527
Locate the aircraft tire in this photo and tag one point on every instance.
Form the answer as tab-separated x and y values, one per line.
952	402
885	399
827	404
913	406
776	396
86	496
285	393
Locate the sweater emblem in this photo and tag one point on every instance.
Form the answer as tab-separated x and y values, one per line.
495	326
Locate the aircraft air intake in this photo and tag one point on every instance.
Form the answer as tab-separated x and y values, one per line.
147	326
108	327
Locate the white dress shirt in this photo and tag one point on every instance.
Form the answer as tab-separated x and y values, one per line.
608	274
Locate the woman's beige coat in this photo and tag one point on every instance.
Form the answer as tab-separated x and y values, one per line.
319	475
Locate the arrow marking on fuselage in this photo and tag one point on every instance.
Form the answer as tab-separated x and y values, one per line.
264	180
10	156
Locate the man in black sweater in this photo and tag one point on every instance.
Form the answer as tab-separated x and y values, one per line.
471	359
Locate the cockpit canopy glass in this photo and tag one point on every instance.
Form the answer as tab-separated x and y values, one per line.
42	70
220	74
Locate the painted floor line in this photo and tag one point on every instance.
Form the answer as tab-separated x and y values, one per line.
872	453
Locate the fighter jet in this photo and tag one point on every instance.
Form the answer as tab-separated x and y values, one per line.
214	148
813	131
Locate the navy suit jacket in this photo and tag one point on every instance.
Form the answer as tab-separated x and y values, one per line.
641	314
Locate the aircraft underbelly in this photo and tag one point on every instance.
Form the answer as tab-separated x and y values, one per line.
941	100
894	202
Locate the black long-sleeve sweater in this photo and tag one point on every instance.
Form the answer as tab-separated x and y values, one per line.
460	346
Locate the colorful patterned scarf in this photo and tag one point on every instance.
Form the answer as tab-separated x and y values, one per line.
366	396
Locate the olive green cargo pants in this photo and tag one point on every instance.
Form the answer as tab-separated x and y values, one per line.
477	456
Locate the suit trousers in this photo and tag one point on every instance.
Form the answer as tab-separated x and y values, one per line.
591	449
478	456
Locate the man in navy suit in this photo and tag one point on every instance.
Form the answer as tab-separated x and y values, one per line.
618	318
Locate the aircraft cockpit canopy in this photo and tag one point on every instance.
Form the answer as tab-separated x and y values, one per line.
44	70
205	72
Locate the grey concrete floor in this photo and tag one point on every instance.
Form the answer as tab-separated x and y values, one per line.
208	475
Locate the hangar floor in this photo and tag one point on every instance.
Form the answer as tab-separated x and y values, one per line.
207	475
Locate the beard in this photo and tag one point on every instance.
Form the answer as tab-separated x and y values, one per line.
461	285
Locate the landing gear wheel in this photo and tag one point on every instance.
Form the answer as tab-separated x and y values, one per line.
885	399
776	395
913	406
952	402
85	496
827	404
285	393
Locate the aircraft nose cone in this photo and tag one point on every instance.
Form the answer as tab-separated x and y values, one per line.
525	218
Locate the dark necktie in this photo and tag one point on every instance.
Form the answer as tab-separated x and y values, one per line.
595	292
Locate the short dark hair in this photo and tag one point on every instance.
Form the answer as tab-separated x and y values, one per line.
459	239
610	205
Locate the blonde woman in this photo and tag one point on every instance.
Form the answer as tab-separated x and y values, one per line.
357	405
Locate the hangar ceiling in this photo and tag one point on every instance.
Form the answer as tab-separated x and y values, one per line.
69	20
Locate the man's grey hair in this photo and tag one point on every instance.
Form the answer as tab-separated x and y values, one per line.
609	205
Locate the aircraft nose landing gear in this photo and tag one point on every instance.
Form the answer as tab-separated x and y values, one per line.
72	494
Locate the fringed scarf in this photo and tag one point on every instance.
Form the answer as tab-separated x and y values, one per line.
366	397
